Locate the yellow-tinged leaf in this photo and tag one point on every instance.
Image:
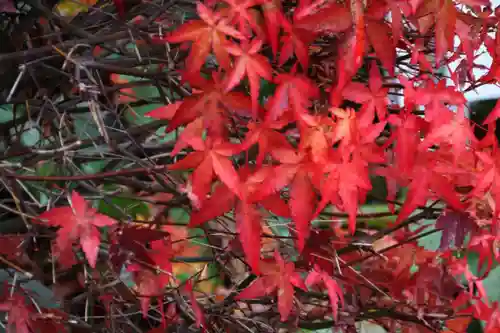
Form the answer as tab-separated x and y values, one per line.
71	8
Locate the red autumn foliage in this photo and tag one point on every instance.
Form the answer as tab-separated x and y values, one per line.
289	113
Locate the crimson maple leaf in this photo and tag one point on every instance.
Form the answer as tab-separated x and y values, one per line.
301	176
456	226
120	6
407	139
78	223
161	252
446	18
248	218
131	239
19	314
148	285
241	13
353	49
165	112
251	63
309	20
279	276
197	309
424	181
379	35
295	40
207	34
317	17
435	97
318	140
269	140
210	102
150	281
293	93
374	97
488	178
369	26
211	159
273	17
453	129
249	227
335	293
346	185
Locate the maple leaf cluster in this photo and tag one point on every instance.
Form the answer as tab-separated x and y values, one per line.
308	152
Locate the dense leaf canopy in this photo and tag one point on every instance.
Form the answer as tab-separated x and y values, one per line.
249	166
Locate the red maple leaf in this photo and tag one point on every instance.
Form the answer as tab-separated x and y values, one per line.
407	139
301	176
19	314
453	129
346	185
317	17
132	240
353	49
446	18
374	97
268	139
148	285
211	159
293	94
488	178
78	222
279	276
295	40
252	64
456	226
316	141
7	6
335	293
244	16
273	17
197	309
206	34
248	218
424	181
379	35
151	280
120	6
436	97
210	102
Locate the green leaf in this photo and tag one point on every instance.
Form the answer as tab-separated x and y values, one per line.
117	207
146	92
183	277
136	115
94	166
178	215
47	168
267	89
430	242
490	283
475	326
85	126
7	113
30	137
279	226
164	137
